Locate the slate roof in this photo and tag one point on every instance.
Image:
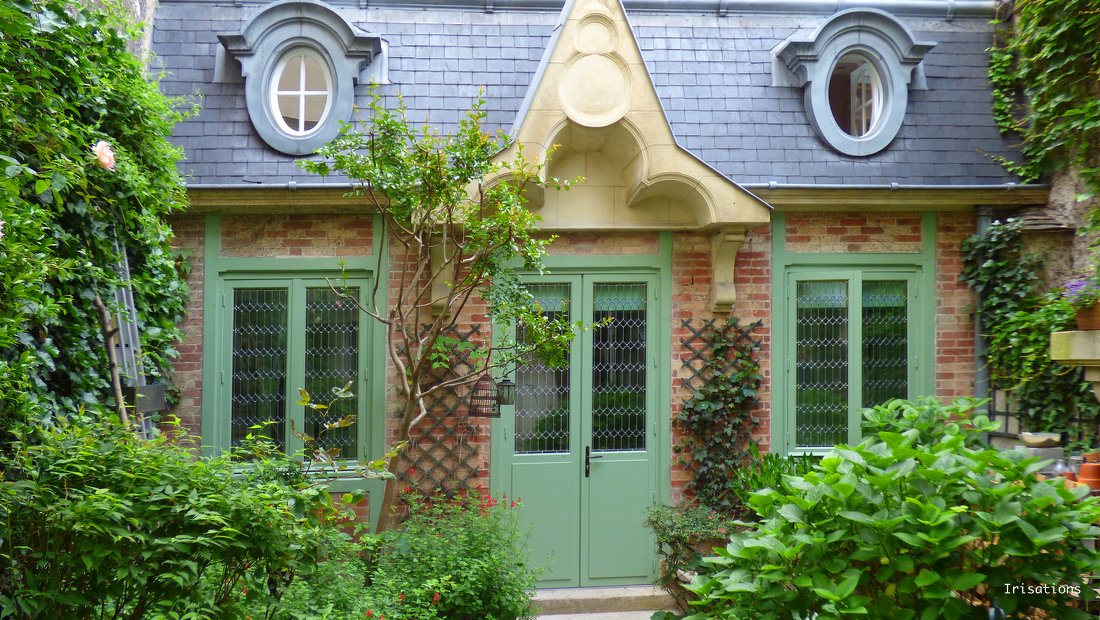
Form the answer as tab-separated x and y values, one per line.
712	73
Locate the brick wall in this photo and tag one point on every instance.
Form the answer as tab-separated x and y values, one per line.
691	300
853	232
343	235
954	309
188	368
315	235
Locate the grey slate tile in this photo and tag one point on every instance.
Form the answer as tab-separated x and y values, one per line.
713	81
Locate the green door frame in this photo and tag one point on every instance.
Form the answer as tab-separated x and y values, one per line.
616	268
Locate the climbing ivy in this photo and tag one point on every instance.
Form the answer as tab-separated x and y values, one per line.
68	84
1018	321
1045	69
718	418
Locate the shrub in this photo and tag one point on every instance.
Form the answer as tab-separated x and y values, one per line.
98	523
682	532
765	471
458	558
919	520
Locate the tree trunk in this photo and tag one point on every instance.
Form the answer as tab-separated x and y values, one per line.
389	495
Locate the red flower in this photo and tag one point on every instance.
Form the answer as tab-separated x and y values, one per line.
370	613
408	489
435	599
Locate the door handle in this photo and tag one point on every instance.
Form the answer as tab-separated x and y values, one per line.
588	456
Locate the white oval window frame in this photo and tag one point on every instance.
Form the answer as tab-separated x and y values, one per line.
274	93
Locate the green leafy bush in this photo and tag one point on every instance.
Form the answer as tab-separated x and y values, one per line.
919	520
458	558
98	523
67	83
765	471
683	533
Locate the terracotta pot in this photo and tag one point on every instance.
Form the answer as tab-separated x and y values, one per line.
1090	471
1092	457
1088	318
1094	483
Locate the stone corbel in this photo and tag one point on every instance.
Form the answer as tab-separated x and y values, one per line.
724	246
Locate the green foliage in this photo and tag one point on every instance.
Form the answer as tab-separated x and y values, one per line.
1051	397
718	418
68	82
765	471
96	522
459	558
1018	321
919	520
683	533
1045	68
456	558
995	266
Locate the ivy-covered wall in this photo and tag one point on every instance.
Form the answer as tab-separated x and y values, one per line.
86	164
1045	68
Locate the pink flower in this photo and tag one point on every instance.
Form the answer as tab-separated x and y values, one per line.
104	155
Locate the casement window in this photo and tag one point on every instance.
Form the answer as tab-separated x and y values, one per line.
280	335
852	340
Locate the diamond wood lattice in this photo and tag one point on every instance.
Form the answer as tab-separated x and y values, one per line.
442	454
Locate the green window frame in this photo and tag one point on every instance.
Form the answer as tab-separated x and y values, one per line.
849	329
280	334
852	342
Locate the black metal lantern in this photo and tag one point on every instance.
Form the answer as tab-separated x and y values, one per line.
484	402
506	392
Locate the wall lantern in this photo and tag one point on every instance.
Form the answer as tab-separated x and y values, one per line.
488	396
506	392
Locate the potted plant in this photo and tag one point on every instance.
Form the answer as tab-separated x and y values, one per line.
1083	294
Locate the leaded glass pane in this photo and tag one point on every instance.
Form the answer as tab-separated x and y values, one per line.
259	362
885	341
821	363
542	393
332	360
619	367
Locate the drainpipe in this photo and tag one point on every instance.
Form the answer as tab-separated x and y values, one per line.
981	346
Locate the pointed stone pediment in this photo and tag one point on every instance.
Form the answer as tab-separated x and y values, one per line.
592	100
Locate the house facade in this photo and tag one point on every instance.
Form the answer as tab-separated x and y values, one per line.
813	166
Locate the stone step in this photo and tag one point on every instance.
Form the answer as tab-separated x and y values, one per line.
607	615
620	599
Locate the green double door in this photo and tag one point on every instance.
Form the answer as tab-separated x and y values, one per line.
580	449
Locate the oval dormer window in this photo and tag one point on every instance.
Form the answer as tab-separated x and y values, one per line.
301	92
856	95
